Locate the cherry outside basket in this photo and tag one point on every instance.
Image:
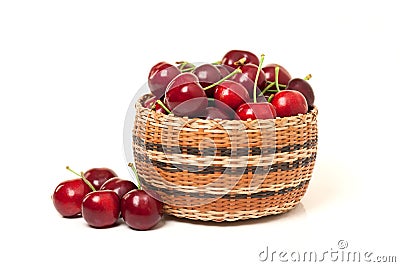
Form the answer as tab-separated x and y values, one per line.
224	170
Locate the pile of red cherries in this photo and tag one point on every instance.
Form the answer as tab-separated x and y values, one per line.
237	87
101	198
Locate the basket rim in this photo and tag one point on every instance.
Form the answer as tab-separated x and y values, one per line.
143	98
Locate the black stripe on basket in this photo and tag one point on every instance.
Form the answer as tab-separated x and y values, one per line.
179	193
176	168
255	151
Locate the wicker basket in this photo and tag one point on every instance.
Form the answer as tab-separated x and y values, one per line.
250	177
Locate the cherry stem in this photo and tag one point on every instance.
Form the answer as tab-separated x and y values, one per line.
139	185
223	79
309	76
277	78
240	62
268	89
183	64
163	106
83	178
270	98
256	79
217	62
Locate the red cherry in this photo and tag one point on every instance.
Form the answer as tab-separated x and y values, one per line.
223	70
98	176
289	103
101	209
250	70
230	93
119	186
160	76
208	74
68	196
303	87
245	81
150	102
254	111
213	113
185	96
140	211
233	56
283	76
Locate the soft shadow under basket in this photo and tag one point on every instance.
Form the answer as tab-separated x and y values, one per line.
224	170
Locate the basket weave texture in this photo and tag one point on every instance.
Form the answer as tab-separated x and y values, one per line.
224	170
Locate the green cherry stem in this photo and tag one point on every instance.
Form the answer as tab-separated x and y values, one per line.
256	79
309	76
270	98
217	62
268	89
277	78
163	106
139	185
223	79
83	178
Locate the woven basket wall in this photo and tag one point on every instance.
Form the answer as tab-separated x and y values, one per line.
251	177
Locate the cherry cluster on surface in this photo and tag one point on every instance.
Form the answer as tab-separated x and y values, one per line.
100	197
236	87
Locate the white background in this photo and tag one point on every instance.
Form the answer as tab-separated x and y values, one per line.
69	69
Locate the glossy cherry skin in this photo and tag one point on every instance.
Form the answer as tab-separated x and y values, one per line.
230	93
141	211
303	87
223	70
150	102
250	70
160	76
245	81
208	74
98	176
68	196
119	186
283	76
233	56
254	111
185	96
101	209
213	113
289	103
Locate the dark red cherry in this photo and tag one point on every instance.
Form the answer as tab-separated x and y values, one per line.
98	176
153	104
150	102
303	87
141	211
283	77
160	76
119	186
223	70
245	81
233	56
68	195
250	70
289	103
185	96
101	209
208	74
230	93
212	113
254	111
